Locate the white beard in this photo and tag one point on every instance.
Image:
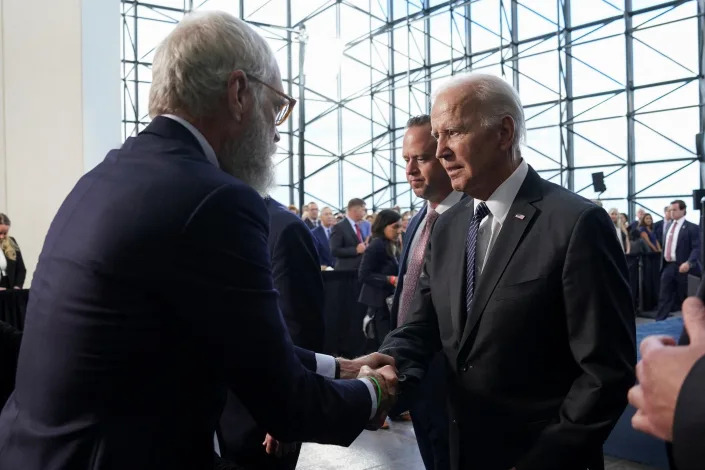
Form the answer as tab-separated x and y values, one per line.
251	158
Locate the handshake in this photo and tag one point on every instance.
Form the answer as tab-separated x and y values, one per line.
380	370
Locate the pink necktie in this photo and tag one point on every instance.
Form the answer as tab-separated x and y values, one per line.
669	243
413	271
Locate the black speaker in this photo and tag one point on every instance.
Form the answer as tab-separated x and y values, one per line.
598	182
698	195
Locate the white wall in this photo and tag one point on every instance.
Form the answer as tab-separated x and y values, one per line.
60	103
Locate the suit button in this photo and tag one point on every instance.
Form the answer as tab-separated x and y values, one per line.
465	368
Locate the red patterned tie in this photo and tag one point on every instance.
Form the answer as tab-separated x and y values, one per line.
359	233
413	272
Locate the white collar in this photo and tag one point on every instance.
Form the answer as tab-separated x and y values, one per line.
447	203
352	222
207	149
503	197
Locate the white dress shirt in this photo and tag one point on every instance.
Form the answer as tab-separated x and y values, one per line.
443	206
498	204
673	232
3	264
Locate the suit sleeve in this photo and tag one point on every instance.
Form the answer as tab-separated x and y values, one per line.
297	277
230	306
694	258
337	248
689	423
600	322
413	345
368	272
20	270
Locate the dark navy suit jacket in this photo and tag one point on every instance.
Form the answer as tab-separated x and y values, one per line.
688	246
325	257
375	268
153	295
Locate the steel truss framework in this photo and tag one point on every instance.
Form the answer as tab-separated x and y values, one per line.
607	85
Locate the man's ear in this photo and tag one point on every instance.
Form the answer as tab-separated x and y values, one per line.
239	95
507	130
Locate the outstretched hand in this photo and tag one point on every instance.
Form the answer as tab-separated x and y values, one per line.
350	369
662	371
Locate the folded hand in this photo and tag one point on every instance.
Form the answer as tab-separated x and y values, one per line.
387	379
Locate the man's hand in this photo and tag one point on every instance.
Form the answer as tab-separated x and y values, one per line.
276	448
662	371
684	268
387	379
360	248
350	369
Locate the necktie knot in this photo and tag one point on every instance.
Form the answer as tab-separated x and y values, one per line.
432	216
482	211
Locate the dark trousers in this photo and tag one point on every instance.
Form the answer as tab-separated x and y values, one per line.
674	287
430	416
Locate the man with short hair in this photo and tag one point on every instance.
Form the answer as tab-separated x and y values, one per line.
428	181
640	212
135	331
347	242
517	278
322	236
661	227
681	254
312	220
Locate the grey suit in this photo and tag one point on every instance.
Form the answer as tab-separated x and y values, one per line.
540	369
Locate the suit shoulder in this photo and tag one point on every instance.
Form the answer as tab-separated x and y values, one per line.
557	197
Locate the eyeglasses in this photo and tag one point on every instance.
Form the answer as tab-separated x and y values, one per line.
285	109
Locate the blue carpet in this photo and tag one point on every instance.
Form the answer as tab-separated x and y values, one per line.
625	442
672	327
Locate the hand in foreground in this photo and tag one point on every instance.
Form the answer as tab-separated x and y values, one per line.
360	248
684	268
350	368
387	379
276	448
662	371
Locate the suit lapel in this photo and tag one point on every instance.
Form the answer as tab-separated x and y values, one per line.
503	249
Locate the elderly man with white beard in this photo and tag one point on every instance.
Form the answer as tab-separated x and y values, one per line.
153	294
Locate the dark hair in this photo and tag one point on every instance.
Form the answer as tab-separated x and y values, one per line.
420	120
356	202
681	204
4	220
384	218
643	218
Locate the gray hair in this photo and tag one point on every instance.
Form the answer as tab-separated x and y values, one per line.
496	100
417	121
192	65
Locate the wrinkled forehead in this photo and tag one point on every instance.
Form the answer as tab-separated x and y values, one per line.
457	103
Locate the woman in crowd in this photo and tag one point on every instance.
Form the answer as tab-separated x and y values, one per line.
12	270
646	228
378	270
620	229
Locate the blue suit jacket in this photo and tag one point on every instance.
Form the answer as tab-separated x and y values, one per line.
325	257
153	295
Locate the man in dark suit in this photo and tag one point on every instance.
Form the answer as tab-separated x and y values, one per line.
640	212
312	221
681	252
428	181
347	241
321	235
525	291
661	227
153	294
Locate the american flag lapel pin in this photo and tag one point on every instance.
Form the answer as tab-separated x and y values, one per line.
519	216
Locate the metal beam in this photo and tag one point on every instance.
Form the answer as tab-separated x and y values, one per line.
631	146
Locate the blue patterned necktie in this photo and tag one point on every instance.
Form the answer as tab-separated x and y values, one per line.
481	211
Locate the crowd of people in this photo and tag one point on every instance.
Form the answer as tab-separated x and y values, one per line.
175	315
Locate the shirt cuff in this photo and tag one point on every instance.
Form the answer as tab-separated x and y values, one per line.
325	365
373	396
